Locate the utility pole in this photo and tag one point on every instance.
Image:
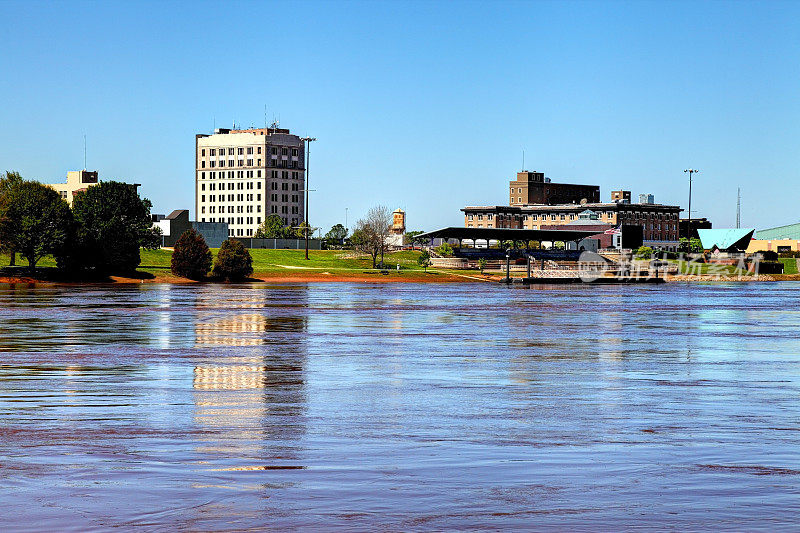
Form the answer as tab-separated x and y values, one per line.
689	220
308	141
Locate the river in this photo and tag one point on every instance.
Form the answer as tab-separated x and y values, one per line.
399	406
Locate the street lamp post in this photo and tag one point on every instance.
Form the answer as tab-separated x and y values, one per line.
689	219
308	141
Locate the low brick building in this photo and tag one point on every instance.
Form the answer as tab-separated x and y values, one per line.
659	222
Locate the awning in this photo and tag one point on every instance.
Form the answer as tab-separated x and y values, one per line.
505	234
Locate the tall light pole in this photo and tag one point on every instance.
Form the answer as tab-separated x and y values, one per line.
689	220
308	141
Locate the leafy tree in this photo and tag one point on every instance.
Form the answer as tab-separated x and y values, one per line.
424	260
34	221
336	235
191	257
445	250
482	264
690	245
300	231
411	236
8	180
113	224
372	232
233	262
644	252
273	228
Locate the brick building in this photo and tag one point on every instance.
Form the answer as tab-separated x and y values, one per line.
534	188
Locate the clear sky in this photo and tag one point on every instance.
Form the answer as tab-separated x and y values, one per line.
421	105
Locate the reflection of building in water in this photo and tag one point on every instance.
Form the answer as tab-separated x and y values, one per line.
249	393
239	330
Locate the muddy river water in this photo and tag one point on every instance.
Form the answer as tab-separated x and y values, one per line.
399	407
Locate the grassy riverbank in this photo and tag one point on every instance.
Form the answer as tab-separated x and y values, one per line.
336	265
268	265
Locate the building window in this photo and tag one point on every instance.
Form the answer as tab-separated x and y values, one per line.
552	217
469	217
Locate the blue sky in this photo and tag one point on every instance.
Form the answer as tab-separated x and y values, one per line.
421	105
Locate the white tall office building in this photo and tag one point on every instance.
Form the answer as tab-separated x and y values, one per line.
243	176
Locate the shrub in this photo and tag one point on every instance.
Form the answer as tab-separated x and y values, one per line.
482	264
191	257
644	252
445	250
234	262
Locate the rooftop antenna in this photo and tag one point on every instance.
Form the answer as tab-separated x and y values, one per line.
265	117
738	207
84	151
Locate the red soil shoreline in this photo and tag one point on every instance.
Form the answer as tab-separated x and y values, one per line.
273	277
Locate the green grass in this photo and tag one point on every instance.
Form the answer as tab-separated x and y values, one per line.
687	267
789	265
157	262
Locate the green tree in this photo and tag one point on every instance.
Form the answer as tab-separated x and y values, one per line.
7	181
424	260
300	231
34	221
272	228
482	264
113	224
690	245
411	237
644	252
233	262
445	250
336	235
191	257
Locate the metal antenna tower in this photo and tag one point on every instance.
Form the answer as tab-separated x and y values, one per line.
738	207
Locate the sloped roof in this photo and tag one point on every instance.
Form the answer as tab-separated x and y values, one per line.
726	239
790	231
175	214
507	234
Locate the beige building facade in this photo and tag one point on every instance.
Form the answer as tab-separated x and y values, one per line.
659	222
77	181
243	176
773	245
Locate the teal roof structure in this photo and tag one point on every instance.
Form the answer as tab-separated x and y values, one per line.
731	239
791	231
